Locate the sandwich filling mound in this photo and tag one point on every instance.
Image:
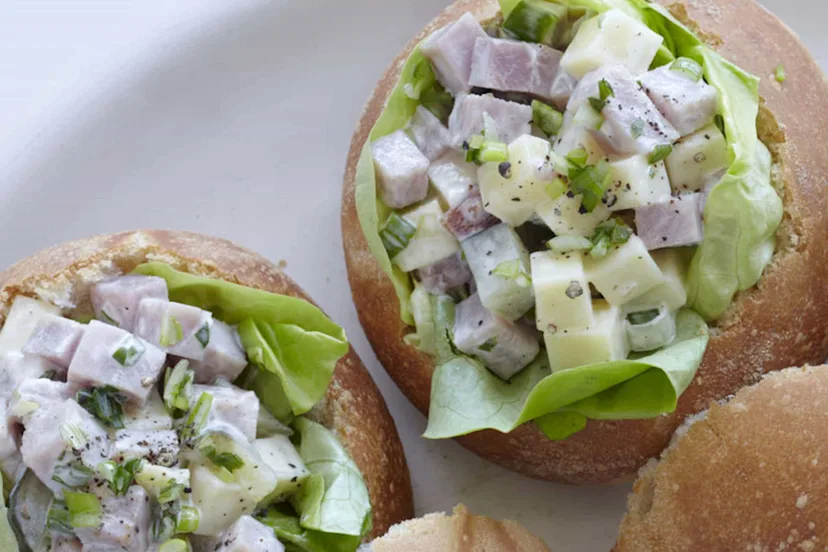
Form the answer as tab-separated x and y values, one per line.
564	198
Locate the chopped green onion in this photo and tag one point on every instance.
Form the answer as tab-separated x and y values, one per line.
203	335
175	545
74	435
490	344
535	21
546	117
171	331
556	188
163	526
224	460
779	74
578	157
73	474
720	124
178	387
129	352
690	68
109	320
660	153
396	233
650	329
188	520
591	182
120	476
597	105
21	409
637	128
513	270
421	80
605	92
197	418
171	492
57	520
84	509
642	317
493	152
564	244
608	234
105	403
476	141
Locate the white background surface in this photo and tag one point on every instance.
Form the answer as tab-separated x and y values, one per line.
234	118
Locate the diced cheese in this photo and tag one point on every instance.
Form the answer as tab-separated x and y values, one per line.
575	136
565	217
624	273
282	457
513	198
670	291
612	37
562	297
634	182
452	177
23	317
605	340
697	157
154	479
431	243
219	502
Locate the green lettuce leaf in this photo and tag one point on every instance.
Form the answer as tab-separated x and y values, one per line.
335	498
7	538
285	522
466	397
284	336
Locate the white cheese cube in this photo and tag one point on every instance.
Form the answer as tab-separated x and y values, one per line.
219	502
696	158
452	177
154	479
562	297
566	217
282	457
513	198
431	243
509	298
23	317
670	292
574	136
624	273
634	182
604	341
612	37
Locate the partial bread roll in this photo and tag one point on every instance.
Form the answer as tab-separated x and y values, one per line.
748	474
458	532
353	409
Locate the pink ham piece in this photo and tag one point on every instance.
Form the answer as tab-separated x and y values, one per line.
687	104
401	170
513	66
116	301
431	136
469	217
445	275
511	118
562	87
674	223
56	339
450	50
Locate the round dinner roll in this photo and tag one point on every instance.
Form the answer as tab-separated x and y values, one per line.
781	322
748	474
458	532
353	408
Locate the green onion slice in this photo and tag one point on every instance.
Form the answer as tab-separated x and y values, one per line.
175	545
556	188
223	460
105	403
203	335
57	520
607	235
178	387
642	317
650	329
188	520
171	331
779	74
129	352
493	152
577	157
590	182
564	244
546	117
660	153
396	233
171	492
513	270
197	418
690	68
84	509
120	476
74	435
73	474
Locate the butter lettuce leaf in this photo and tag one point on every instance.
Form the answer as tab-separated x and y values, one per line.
285	522
284	336
466	397
7	538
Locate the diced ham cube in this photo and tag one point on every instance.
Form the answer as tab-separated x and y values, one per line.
56	339
687	104
675	223
96	362
430	135
58	436
65	544
504	347
179	329
514	66
445	275
248	535
453	177
16	368
156	447
125	524
34	394
450	50
116	301
401	170
234	410
511	118
562	87
224	357
10	458
469	217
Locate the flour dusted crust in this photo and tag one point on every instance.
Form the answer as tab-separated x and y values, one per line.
353	407
748	476
782	322
458	532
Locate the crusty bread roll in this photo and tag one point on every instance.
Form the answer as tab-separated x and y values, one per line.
747	475
458	532
353	408
779	323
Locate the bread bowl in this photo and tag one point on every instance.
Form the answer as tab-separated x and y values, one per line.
743	474
337	393
779	322
458	532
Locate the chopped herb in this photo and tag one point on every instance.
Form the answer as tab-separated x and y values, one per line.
120	476
513	270
642	317
490	344
577	157
546	118
73	475
84	509
74	435
556	188
171	492
396	233
637	128
129	352
605	92
779	74
178	388
591	182
203	335
660	153
198	418
57	520
171	331
105	403
608	234
224	460
480	149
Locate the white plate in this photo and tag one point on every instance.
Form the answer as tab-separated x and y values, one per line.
234	118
